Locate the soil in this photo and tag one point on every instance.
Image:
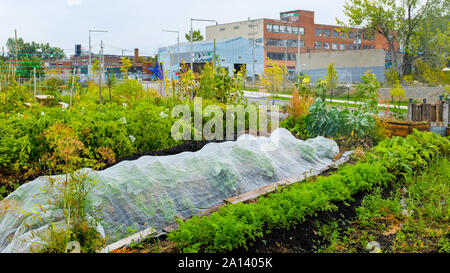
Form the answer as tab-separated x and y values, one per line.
302	238
305	237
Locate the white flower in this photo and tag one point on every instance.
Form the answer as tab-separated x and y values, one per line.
42	113
132	138
124	105
163	115
123	120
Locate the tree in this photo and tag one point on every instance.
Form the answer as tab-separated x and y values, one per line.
196	36
126	64
95	66
367	93
396	21
110	82
331	78
375	16
274	74
431	40
27	50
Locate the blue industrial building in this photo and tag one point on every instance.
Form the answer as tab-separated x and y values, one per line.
231	53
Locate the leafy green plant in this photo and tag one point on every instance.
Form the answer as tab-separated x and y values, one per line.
322	122
235	225
367	93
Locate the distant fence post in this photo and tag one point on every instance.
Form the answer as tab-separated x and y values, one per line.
445	113
409	117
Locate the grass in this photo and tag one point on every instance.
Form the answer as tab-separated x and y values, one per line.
410	219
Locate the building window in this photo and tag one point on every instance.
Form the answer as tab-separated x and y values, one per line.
350	35
302	44
222	29
326	32
371	47
368	37
301	30
334	46
335	34
318	32
269	27
276	28
283	43
283	29
289	29
343	35
342	46
326	45
281	56
317	45
236	27
350	47
365	47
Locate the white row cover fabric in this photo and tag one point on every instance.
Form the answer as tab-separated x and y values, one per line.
153	190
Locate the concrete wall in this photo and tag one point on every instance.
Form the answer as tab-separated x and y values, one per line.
431	93
350	65
237	29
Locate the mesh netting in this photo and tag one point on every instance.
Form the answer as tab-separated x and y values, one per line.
153	190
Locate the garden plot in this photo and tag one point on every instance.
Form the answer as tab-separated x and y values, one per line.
153	190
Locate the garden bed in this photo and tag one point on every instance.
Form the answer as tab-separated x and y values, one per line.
292	211
404	128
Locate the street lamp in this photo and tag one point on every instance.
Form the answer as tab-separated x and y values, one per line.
178	45
90	60
192	46
299	64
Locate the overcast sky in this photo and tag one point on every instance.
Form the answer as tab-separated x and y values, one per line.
137	23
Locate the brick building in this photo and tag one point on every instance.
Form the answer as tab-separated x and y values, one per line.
280	36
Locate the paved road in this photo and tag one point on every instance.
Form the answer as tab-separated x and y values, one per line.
265	101
256	95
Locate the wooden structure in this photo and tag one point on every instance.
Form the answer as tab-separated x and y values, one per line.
436	113
404	128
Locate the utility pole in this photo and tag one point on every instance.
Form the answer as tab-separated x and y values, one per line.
192	42
71	88
100	73
214	57
252	33
17	51
192	50
90	58
299	63
286	54
34	82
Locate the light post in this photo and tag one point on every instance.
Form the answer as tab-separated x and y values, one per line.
90	59
178	45
192	45
357	41
299	64
252	33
